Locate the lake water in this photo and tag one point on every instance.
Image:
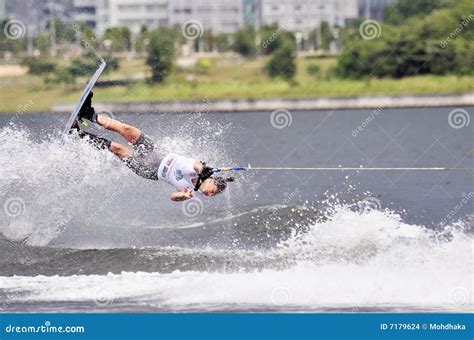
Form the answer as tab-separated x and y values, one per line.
81	232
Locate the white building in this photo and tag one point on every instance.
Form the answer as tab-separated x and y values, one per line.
101	14
85	11
136	13
306	15
374	9
218	16
223	16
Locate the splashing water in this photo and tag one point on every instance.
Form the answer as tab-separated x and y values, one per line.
62	182
351	260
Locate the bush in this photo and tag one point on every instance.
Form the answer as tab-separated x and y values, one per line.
244	41
60	76
39	66
283	62
408	8
326	35
416	47
273	37
313	69
120	38
113	63
203	66
80	68
160	58
223	42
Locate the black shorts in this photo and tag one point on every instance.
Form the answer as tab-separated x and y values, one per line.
145	159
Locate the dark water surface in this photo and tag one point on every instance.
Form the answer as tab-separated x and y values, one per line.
294	241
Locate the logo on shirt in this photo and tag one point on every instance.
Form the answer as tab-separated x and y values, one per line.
178	174
164	171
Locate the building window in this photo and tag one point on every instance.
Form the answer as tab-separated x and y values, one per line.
128	8
152	8
86	10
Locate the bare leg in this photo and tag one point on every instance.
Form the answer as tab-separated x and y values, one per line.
120	150
130	133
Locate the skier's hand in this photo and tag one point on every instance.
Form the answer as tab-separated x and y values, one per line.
187	193
182	195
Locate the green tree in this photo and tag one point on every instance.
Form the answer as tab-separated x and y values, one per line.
88	38
224	42
441	43
210	42
10	45
39	66
142	39
120	38
42	42
244	41
64	32
273	37
313	69
283	62
161	54
82	67
326	35
404	9
60	76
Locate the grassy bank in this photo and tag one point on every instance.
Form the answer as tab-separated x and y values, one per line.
224	78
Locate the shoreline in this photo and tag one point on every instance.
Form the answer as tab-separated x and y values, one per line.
255	105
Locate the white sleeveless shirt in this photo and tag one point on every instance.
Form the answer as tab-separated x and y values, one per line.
177	171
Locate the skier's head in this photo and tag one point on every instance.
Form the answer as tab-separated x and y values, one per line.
215	185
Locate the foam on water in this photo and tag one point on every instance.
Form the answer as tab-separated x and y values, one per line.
59	183
354	260
50	180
